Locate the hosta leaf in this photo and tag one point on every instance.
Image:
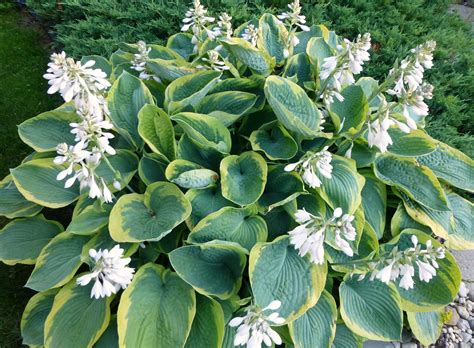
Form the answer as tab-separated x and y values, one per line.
317	50
277	272
440	290
48	129
461	232
212	269
22	240
401	220
90	220
292	106
155	128
190	175
239	225
450	165
170	70
345	338
305	36
58	262
152	168
151	216
374	201
100	63
181	43
124	161
351	112
162	320
206	156
109	338
272	37
243	177
204	202
36	181
126	97
415	143
76	319
257	60
227	107
371	309
208	325
189	89
252	85
34	317
426	326
418	182
281	188
316	327
274	140
12	202
205	131
344	188
299	66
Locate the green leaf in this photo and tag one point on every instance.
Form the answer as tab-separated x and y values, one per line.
299	66
190	175
344	188
152	168
90	220
450	165
415	143
148	217
36	181
243	177
252	85
45	131
401	220
58	262
100	63
418	182
292	106
208	325
34	317
374	201
189	89
316	327
212	269
126	97
124	161
281	188
352	111
277	272
345	338
239	225
305	36
258	61
181	44
76	319
461	232
272	37
228	107
204	202
162	320
205	131
109	338
22	240
426	326
170	70
274	140
441	290
155	128
206	156
371	309
12	202
317	50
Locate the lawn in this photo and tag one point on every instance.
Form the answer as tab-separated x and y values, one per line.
23	57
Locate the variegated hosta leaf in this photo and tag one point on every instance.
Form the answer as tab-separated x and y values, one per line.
426	326
274	140
345	338
461	232
415	143
277	272
12	203
273	35
151	216
163	320
257	60
181	44
349	115
374	202
187	174
204	202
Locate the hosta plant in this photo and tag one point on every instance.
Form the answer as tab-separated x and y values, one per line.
239	187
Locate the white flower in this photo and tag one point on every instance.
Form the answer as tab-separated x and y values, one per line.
214	62
224	26
407	272
197	21
378	134
294	17
139	62
425	271
312	164
255	327
110	272
250	34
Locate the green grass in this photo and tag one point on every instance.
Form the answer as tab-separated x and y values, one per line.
23	58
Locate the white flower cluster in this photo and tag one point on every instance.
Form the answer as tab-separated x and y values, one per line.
410	91
339	70
293	20
213	61
310	235
197	21
139	62
224	26
250	34
78	82
110	272
402	264
254	328
312	164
